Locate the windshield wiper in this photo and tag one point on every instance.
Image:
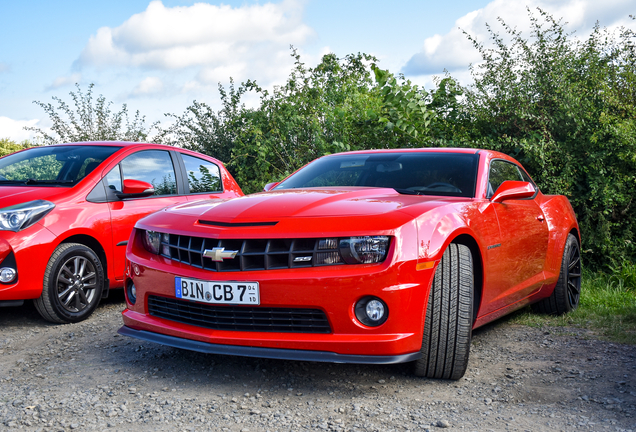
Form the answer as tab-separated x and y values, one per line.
32	181
408	191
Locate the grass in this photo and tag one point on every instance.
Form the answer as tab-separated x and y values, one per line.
607	307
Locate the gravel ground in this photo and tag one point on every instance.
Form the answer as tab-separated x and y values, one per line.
86	377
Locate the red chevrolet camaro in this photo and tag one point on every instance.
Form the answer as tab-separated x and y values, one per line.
365	257
66	213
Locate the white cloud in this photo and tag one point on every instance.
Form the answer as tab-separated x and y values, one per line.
14	129
214	40
4	67
64	81
149	86
453	51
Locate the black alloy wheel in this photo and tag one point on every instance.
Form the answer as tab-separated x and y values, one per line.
76	284
567	291
73	284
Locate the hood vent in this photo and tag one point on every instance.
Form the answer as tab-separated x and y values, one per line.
237	224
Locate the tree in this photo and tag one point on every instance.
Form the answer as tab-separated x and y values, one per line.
88	122
8	146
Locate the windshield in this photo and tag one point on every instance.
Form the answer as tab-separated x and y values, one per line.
425	173
52	165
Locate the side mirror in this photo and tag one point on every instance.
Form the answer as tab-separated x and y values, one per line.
136	189
269	186
513	190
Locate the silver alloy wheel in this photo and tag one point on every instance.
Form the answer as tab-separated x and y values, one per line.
76	284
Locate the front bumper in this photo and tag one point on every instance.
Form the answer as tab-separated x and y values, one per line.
29	250
334	290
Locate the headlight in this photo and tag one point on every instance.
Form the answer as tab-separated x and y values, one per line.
21	216
364	250
152	241
157	243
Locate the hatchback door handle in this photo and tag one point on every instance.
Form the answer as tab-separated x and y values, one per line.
540	218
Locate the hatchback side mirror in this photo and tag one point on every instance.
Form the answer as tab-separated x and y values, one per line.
513	190
136	189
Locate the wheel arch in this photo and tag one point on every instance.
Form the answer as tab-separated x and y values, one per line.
478	269
95	245
575	232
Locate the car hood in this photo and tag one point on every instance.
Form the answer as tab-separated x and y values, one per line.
12	195
308	203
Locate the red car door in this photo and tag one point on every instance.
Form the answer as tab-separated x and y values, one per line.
156	167
519	260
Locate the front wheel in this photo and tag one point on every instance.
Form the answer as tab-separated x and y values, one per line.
72	285
449	317
567	292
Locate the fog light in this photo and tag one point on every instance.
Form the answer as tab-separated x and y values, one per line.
375	310
132	293
7	274
371	311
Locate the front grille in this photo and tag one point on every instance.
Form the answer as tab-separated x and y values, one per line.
254	319
252	254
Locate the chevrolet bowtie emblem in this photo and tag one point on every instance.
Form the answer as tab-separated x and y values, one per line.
218	254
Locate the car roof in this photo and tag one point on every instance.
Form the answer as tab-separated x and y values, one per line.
414	150
111	143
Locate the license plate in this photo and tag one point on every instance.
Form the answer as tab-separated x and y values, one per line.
217	292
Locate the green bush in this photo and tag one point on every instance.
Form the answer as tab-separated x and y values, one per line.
565	108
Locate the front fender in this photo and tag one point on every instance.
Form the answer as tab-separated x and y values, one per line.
440	226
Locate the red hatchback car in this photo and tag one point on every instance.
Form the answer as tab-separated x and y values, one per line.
366	257
68	210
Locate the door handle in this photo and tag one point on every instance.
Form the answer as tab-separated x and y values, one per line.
540	218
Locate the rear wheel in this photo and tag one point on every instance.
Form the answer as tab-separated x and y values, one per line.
567	292
72	285
449	317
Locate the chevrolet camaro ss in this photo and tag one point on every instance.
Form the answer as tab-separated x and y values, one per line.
379	256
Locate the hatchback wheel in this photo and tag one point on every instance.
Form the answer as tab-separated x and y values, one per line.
73	283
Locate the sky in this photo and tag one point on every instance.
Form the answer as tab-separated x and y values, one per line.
159	56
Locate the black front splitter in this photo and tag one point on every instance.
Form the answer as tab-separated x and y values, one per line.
271	353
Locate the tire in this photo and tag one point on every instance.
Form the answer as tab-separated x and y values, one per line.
449	317
567	291
72	286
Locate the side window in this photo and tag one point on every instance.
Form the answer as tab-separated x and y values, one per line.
203	176
154	167
500	171
113	179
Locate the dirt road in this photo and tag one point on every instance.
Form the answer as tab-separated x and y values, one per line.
86	377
